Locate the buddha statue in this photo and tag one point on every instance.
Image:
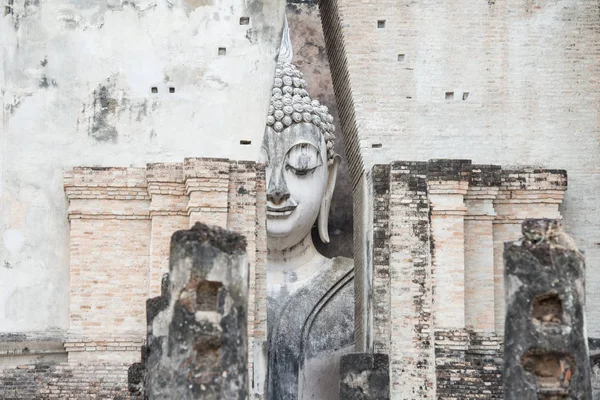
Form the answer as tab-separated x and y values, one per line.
310	298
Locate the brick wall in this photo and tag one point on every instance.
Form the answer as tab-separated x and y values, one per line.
468	365
435	227
121	222
64	381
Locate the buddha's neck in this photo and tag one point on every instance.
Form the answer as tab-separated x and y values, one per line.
295	263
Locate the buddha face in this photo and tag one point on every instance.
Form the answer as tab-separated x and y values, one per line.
298	179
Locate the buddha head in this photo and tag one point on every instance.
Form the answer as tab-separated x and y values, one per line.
301	165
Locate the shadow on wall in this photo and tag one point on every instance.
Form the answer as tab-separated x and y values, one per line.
310	57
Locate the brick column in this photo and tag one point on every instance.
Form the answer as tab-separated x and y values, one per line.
168	214
479	247
381	260
259	356
523	194
448	185
109	243
411	355
207	185
242	218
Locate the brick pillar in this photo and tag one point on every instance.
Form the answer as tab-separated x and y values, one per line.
246	190
479	247
381	260
448	185
109	244
259	355
412	360
523	194
207	185
168	214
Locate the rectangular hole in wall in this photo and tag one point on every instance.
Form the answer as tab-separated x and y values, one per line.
154	89
376	145
401	57
222	51
244	20
245	142
465	95
449	96
381	23
171	90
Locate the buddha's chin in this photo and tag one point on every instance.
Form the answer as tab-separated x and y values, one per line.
279	228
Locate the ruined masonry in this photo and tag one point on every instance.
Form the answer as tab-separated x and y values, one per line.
122	220
197	341
437	305
546	352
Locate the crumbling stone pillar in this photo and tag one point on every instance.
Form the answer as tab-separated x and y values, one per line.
197	330
546	354
364	377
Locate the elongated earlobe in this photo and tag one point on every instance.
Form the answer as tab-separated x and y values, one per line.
323	220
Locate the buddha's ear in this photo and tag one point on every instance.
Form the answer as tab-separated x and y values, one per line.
323	219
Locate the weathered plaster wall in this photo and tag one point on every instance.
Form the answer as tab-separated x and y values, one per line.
114	83
525	69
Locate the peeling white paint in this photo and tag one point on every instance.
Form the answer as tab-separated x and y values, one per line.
76	79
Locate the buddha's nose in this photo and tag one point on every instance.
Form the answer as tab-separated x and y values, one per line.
277	190
278	196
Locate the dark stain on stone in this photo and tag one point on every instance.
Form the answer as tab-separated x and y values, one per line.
104	105
293	2
45	83
142	111
243	190
227	241
251	35
44	62
16	103
7	265
8	8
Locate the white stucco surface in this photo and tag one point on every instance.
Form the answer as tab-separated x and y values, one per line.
76	79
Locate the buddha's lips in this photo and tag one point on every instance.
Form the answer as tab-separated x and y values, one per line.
280	211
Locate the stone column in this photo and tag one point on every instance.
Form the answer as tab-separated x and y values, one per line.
546	354
207	185
523	194
364	377
168	214
479	247
448	183
198	344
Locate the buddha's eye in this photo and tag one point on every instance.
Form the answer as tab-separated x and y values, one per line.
303	159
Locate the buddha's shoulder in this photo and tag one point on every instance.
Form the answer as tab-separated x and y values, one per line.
342	265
